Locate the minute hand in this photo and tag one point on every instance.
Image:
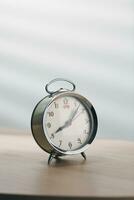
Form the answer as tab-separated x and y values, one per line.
73	115
77	115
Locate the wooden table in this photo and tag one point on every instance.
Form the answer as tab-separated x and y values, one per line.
24	173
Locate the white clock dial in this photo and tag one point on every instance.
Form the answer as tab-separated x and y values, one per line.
67	123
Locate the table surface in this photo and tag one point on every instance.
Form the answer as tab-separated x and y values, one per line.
107	172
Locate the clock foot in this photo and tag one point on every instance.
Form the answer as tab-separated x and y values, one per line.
50	158
83	155
52	155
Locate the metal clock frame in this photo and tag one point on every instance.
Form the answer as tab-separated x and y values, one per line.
39	133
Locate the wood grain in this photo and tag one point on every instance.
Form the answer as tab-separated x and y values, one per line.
108	171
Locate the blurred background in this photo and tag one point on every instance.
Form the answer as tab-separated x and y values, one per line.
90	42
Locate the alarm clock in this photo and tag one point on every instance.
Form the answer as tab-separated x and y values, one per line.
64	122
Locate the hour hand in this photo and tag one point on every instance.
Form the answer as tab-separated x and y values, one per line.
60	128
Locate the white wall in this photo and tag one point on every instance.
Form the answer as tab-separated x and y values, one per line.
89	42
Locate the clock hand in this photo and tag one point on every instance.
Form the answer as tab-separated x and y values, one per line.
68	122
73	113
61	127
77	115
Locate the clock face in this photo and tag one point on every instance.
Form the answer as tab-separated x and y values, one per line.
67	123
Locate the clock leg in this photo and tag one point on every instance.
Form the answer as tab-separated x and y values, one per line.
52	155
50	158
83	155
